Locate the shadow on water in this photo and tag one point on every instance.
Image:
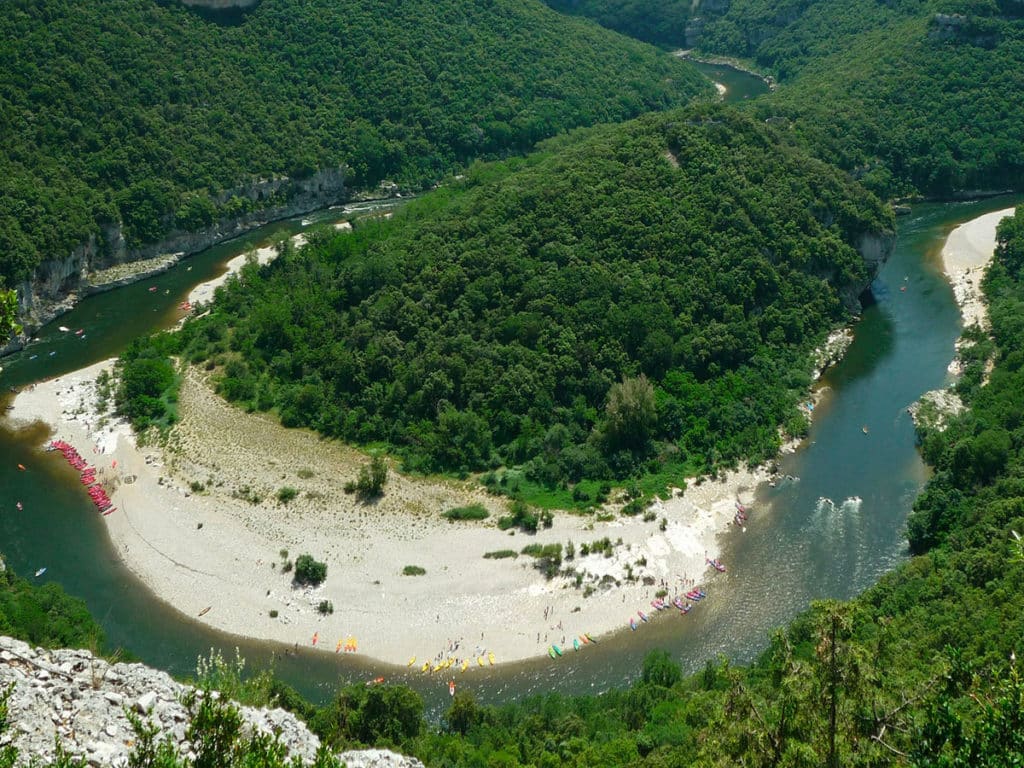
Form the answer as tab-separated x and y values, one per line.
829	532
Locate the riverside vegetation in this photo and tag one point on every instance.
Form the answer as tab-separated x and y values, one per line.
918	671
911	96
156	116
634	300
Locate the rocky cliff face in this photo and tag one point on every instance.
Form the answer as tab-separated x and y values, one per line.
875	248
58	283
83	701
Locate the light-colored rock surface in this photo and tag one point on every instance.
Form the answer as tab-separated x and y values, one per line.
82	701
934	409
108	261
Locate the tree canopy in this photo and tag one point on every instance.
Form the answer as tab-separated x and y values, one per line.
155	115
642	293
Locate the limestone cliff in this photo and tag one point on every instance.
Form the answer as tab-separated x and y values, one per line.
83	702
59	282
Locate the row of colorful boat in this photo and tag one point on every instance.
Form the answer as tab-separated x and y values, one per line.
451	661
660	604
87	475
348	644
577	642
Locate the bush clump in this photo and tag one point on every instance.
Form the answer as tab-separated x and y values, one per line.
469	512
309	570
500	554
413	570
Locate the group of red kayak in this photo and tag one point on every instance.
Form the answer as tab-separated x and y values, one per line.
88	475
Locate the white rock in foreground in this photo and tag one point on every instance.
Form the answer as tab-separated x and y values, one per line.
81	700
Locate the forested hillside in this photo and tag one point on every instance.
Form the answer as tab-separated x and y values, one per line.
641	297
151	113
922	670
926	103
909	95
44	615
919	671
660	22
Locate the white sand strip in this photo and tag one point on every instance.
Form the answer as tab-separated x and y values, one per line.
965	256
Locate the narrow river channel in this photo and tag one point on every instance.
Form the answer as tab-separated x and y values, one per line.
830	532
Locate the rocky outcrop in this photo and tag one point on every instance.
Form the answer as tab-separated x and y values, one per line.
694	32
58	283
875	248
956	27
83	702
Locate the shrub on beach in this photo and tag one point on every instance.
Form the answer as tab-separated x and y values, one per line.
309	571
500	554
470	512
371	480
413	570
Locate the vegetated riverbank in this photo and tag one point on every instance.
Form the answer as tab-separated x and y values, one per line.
965	256
200	521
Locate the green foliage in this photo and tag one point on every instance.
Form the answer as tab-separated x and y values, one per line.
413	570
660	669
325	608
286	494
372	477
868	87
379	715
520	516
8	312
151	114
590	313
309	571
469	512
501	554
661	22
45	615
147	393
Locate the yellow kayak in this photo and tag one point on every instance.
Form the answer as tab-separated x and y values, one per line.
426	666
437	667
411	661
490	657
480	660
465	664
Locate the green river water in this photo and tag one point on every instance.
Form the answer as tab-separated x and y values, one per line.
829	533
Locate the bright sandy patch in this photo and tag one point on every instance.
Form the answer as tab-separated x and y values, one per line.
498	605
203	293
965	256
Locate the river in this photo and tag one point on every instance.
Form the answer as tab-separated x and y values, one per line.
830	533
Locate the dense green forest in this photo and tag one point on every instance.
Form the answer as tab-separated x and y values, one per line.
906	99
660	22
919	671
44	615
641	297
152	113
